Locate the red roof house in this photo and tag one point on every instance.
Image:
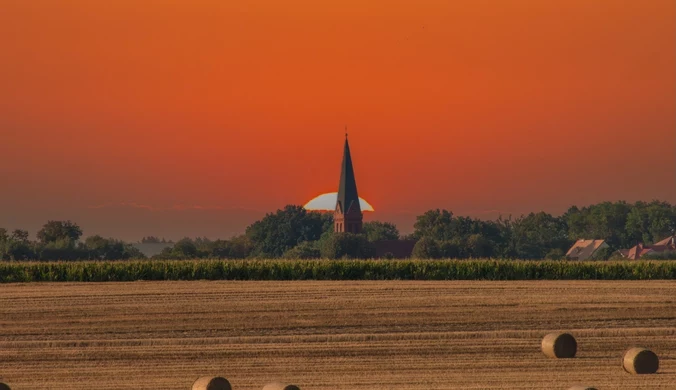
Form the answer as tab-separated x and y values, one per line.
585	249
640	250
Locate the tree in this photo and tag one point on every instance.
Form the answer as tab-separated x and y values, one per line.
443	225
58	241
304	250
451	249
185	249
54	231
20	235
606	221
662	221
380	231
278	232
479	246
238	247
61	249
19	250
346	245
650	222
100	248
241	247
621	224
15	246
555	254
203	244
131	252
97	247
537	234
426	248
435	224
667	255
220	249
4	244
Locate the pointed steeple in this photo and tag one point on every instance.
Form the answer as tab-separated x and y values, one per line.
348	216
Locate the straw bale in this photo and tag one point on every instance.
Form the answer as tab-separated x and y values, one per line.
640	361
559	345
211	383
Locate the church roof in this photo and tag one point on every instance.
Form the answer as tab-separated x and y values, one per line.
348	198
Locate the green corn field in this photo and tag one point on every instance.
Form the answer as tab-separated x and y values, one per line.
110	271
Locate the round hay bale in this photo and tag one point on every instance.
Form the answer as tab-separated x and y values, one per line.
4	386
211	383
640	361
582	388
280	386
559	346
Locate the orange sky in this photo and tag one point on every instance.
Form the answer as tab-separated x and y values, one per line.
477	106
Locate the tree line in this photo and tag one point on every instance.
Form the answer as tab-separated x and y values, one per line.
60	240
294	232
542	235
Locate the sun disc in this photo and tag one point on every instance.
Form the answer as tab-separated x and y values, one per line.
327	202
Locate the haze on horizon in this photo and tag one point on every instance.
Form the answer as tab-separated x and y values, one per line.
175	118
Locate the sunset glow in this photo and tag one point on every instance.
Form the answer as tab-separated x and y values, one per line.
481	107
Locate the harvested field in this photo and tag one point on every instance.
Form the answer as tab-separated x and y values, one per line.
333	335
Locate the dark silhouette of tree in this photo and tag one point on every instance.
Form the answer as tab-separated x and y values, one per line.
278	232
535	235
426	248
377	231
304	250
346	245
54	231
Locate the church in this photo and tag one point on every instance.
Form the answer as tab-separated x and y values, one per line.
349	218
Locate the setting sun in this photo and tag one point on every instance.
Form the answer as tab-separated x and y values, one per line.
327	202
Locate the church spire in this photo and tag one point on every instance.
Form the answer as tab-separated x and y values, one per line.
348	216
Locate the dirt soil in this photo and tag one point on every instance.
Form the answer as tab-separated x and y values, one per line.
332	335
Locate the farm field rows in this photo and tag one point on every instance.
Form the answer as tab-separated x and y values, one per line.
332	334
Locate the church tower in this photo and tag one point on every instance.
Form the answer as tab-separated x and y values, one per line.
348	216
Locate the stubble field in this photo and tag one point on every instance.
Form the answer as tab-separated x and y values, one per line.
332	335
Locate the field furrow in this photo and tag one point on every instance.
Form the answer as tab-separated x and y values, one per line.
332	335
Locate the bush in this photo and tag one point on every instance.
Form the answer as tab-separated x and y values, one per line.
278	232
346	245
668	255
555	254
617	256
450	250
380	231
479	246
304	250
426	248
